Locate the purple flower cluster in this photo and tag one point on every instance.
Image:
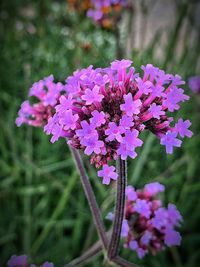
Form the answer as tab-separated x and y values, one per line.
148	226
22	261
104	111
194	84
103	11
46	93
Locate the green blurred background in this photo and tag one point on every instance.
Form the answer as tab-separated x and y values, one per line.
43	211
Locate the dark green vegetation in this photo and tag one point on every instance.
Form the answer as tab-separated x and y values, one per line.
43	211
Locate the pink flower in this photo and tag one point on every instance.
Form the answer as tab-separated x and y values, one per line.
172	237
148	226
114	132
133	245
194	84
68	121
158	91
65	103
160	219
144	87
131	139
182	128
92	96
125	229
140	251
156	111
112	14
174	215
18	261
169	140
173	97
56	132
87	130
98	118
154	188
126	122
143	208
131	107
121	64
46	93
131	193
108	172
146	238
92	144
125	151
22	261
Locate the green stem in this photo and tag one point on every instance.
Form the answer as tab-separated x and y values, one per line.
119	210
91	198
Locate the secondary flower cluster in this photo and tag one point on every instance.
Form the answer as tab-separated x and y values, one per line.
106	12
46	94
80	6
194	84
148	226
22	261
103	111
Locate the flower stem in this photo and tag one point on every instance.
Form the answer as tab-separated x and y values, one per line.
121	262
93	251
88	255
119	210
91	199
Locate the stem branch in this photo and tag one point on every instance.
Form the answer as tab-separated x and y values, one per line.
121	262
88	255
91	198
119	210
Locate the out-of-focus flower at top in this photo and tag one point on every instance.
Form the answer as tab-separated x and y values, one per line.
79	6
194	84
103	111
148	226
107	12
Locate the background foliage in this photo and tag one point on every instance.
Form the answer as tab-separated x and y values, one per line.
43	211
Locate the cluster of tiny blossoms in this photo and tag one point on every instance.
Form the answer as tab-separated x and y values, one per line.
104	111
106	12
148	226
194	84
46	94
22	261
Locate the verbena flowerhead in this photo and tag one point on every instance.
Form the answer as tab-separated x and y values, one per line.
148	227
194	84
22	261
106	12
80	6
18	261
105	110
45	94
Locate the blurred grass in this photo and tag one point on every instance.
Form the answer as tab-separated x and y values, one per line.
43	211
